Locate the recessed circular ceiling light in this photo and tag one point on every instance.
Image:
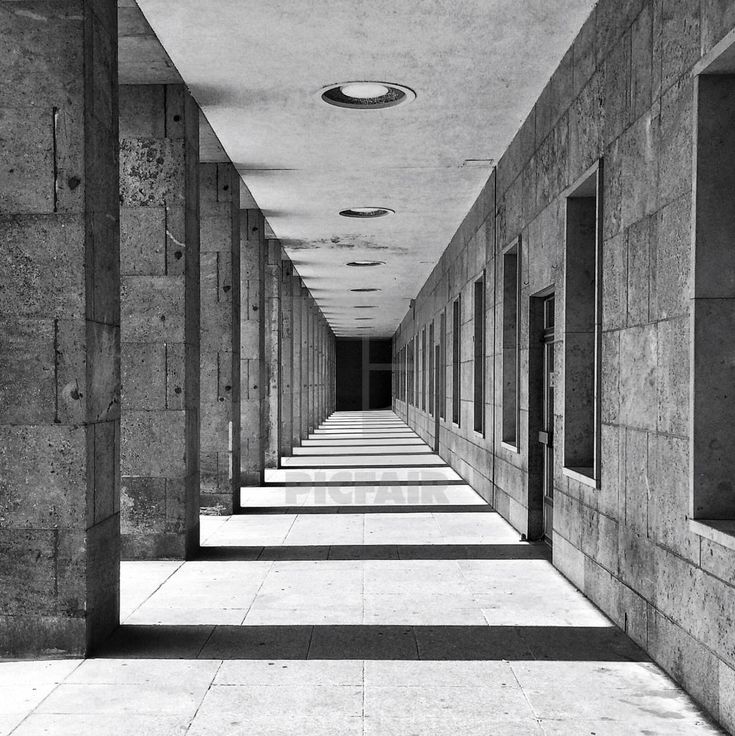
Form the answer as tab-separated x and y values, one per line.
364	290
366	212
364	90
361	264
366	95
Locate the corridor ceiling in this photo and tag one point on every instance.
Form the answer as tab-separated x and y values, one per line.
257	69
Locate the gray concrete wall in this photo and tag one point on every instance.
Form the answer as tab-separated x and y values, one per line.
59	328
219	190
296	380
287	357
273	338
252	233
281	326
623	93
160	307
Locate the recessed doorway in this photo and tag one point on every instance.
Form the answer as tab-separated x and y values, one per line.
541	379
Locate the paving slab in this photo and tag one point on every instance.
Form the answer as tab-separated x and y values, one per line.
388	607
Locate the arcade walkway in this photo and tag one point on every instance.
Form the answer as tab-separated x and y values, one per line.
368	591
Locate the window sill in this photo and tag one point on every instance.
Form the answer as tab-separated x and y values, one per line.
720	531
509	447
582	475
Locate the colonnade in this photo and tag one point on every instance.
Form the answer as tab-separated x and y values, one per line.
159	349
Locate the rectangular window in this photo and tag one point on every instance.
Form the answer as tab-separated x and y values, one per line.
423	369
479	372
419	376
712	340
416	364
443	366
409	372
400	374
404	371
456	358
511	342
582	329
431	370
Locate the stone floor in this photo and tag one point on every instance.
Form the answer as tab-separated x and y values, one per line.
369	591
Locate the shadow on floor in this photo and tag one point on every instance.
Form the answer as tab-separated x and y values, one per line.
378	552
374	642
374	509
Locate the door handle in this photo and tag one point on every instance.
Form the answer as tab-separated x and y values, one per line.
546	438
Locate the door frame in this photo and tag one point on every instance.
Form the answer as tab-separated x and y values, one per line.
437	395
535	385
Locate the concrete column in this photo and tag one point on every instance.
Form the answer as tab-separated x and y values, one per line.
296	378
322	352
325	331
271	326
333	374
305	365
286	368
160	301
318	377
312	364
219	197
252	381
59	328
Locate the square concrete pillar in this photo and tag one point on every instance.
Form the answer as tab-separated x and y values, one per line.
252	367
219	198
296	375
160	302
286	367
305	362
313	362
271	326
59	328
332	373
320	383
318	366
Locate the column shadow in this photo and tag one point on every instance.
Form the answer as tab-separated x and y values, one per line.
376	552
374	642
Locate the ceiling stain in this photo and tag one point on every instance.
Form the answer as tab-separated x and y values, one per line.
340	242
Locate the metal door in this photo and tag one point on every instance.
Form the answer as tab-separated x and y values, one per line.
546	435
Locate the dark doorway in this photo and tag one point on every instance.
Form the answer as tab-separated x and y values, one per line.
437	398
541	418
364	373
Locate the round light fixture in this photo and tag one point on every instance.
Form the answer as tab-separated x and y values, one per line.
366	95
362	264
366	212
364	290
364	90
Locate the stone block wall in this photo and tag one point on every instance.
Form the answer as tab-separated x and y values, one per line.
287	357
272	345
252	369
280	327
219	191
59	328
160	306
623	95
